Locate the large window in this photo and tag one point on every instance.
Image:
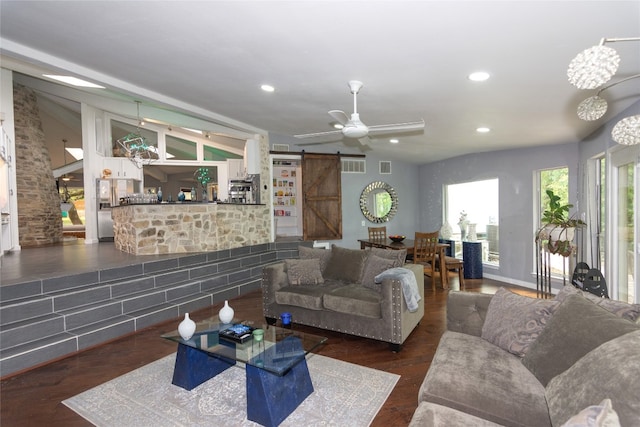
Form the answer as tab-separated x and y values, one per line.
478	200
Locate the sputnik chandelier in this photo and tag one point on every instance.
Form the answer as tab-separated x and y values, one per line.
591	69
136	147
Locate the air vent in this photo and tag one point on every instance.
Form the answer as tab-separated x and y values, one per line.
280	147
353	166
385	167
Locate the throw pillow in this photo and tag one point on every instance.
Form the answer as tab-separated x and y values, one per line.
398	256
601	415
514	321
304	271
345	264
321	254
374	266
619	308
577	327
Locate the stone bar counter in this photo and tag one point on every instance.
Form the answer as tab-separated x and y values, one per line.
166	228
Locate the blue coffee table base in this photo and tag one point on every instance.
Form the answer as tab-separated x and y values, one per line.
271	398
193	367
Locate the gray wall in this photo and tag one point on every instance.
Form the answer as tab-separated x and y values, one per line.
404	178
515	170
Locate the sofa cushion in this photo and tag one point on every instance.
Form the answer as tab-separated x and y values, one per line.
304	271
354	299
430	414
320	254
345	264
514	321
610	371
398	256
619	308
601	415
301	296
577	327
372	267
474	376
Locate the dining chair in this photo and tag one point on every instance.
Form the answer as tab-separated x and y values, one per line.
377	233
451	263
425	252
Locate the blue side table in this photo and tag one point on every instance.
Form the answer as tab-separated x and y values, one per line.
451	250
472	256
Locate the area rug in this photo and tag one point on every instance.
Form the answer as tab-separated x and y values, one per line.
345	395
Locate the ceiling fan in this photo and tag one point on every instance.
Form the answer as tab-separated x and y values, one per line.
354	131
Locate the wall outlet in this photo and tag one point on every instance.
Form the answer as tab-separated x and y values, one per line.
363	223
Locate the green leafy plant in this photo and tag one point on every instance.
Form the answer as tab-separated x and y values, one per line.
202	176
557	222
558	213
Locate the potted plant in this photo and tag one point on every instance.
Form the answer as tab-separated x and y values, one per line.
558	227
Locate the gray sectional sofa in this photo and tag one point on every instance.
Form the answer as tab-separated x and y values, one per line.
336	290
510	360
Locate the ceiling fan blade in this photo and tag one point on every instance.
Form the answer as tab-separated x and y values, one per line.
397	127
361	143
317	134
340	116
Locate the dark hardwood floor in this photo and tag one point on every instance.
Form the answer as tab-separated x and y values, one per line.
34	397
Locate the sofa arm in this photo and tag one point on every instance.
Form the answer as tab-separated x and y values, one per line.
466	311
274	277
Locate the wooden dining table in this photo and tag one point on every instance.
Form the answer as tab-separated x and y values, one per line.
407	244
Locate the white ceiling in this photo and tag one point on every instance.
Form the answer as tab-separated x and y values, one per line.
210	57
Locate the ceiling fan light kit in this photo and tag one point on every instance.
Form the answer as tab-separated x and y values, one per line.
591	69
353	129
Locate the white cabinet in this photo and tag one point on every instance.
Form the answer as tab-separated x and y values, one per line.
236	168
122	168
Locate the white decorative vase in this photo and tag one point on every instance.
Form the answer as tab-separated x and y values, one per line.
446	231
187	327
472	235
226	313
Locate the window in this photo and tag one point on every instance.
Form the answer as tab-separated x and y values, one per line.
558	181
479	201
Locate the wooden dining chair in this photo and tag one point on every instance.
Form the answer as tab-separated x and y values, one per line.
451	263
377	233
425	252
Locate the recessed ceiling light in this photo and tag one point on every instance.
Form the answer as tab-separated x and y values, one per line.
74	81
267	88
479	76
394	141
483	130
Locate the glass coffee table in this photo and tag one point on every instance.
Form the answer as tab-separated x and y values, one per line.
277	376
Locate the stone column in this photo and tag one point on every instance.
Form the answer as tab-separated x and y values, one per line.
39	215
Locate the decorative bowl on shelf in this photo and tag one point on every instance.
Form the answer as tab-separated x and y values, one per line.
397	238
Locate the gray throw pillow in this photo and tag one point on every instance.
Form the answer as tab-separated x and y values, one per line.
345	265
320	254
374	266
514	321
619	308
610	371
304	271
398	256
577	327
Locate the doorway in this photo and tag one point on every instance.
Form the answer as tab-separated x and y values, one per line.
624	234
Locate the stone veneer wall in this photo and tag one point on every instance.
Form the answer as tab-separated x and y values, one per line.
183	228
39	217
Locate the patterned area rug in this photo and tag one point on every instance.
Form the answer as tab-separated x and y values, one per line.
345	394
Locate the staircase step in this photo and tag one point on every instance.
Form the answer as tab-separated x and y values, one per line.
91	313
25	308
34	353
24	331
105	330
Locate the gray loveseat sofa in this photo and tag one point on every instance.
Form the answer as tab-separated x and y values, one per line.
515	361
336	290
